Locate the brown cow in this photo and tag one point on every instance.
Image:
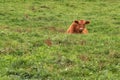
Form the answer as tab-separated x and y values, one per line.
78	27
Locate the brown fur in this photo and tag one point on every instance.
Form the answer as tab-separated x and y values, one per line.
78	27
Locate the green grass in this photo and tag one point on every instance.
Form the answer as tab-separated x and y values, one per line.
34	45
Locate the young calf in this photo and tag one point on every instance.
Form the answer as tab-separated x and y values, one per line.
78	27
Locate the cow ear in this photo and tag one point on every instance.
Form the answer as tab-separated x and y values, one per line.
87	22
76	21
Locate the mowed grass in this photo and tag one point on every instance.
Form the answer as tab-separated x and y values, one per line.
34	45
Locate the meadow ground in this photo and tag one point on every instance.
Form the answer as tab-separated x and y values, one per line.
34	45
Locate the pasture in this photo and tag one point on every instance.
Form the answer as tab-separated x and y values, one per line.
34	45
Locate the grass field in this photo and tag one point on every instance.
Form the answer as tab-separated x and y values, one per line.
34	45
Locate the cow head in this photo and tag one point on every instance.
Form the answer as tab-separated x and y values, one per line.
80	25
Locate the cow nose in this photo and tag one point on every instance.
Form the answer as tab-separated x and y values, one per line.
81	28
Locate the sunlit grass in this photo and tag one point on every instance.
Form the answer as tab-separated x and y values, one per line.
34	45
